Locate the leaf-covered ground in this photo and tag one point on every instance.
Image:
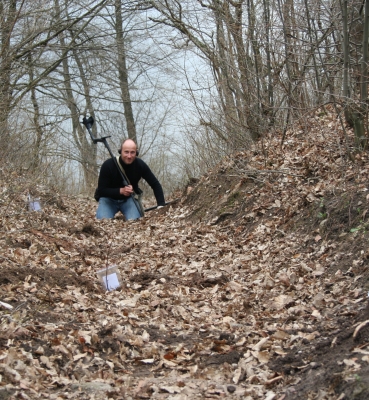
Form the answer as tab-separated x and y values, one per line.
254	285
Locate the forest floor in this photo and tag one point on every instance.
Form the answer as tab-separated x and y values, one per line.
253	285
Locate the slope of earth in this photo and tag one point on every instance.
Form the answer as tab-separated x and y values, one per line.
254	286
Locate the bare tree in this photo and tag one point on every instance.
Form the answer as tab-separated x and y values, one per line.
8	13
355	52
29	31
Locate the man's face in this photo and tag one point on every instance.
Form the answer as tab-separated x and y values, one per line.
128	152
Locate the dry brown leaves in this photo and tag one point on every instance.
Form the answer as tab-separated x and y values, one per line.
204	307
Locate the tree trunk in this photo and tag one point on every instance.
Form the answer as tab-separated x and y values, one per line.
90	152
7	21
355	111
123	72
78	132
311	33
269	106
36	150
346	50
224	78
364	77
244	85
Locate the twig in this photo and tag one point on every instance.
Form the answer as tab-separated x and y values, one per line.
359	327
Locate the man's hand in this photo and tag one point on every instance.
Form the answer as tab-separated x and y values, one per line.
126	190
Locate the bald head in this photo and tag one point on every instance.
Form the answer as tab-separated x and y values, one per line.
128	142
128	151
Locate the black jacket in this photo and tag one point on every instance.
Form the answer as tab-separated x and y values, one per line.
110	180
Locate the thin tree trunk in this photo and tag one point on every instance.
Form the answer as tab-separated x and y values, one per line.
288	68
270	99
90	163
353	112
6	27
244	63
36	159
346	50
256	52
365	59
224	77
123	72
78	132
364	77
318	78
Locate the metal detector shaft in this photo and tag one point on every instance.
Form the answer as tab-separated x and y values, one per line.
88	122
166	204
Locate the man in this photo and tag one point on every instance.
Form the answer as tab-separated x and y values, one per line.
111	193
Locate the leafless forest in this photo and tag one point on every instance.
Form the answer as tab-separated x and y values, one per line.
190	80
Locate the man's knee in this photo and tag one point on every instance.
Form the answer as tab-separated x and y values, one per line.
106	209
130	210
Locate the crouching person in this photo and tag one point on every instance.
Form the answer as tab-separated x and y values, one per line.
113	196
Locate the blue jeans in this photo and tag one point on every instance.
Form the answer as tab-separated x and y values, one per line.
109	207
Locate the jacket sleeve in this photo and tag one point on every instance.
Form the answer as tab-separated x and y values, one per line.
155	185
